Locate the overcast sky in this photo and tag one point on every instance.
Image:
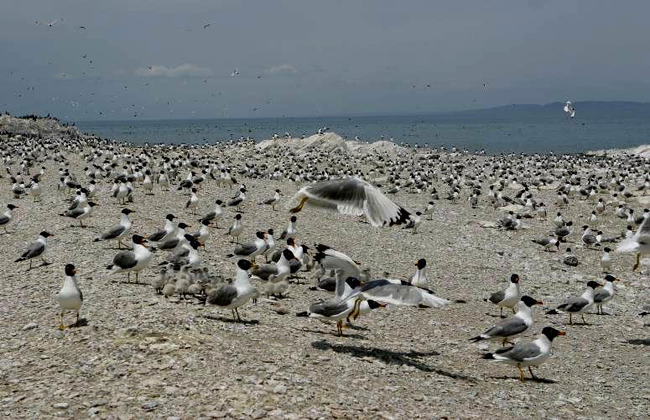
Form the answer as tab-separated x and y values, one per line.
151	59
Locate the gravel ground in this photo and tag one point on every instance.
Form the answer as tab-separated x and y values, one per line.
141	355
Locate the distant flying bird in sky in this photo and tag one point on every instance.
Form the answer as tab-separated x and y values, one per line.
569	109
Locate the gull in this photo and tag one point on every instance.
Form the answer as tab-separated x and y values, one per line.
588	238
270	245
578	305
527	354
355	197
36	249
136	260
237	201
548	243
420	279
235	295
639	243
273	200
509	297
235	73
251	249
214	215
604	294
569	109
388	292
206	25
166	232
177	240
204	232
414	223
80	213
606	260
193	202
514	326
70	297
339	307
330	259
119	232
7	217
290	231
236	229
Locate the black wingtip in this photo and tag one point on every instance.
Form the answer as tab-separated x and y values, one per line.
96	240
230	255
552	312
476	339
488	356
403	216
302	314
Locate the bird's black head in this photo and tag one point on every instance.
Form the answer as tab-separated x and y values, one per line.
244	265
609	277
70	270
585	227
219	202
291	242
551	333
11	206
170	217
529	301
514	278
45	234
607	249
277	190
260	235
288	255
182	225
92	204
189	237
127	211
238	216
418	213
137	239
570	223
353	282
195	244
421	263
193	190
294	218
593	284
205	222
270	232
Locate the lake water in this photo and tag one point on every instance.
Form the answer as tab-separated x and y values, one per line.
495	135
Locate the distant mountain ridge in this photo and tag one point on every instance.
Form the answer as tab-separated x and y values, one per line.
614	109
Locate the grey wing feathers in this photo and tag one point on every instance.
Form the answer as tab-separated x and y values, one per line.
328	308
245	249
157	236
34	250
507	328
4	220
265	271
113	233
74	213
224	296
125	259
573	305
600	295
498	296
520	352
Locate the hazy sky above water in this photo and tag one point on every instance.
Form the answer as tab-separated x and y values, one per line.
150	59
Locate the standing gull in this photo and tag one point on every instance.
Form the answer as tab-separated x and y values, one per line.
36	249
119	232
234	295
7	216
136	260
70	297
509	297
80	213
578	305
604	294
527	354
514	326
